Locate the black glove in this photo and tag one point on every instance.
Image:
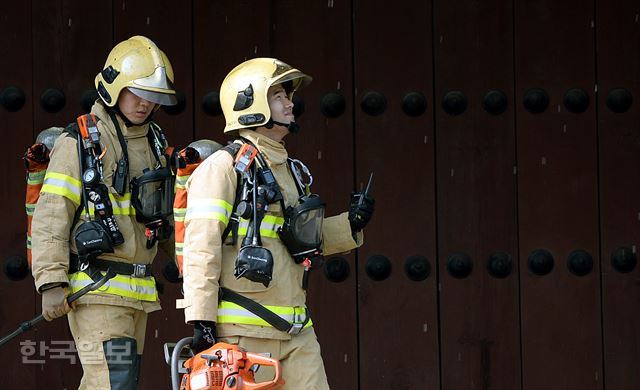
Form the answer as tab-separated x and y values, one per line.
204	336
360	211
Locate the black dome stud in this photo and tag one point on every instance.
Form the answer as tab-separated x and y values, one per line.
177	108
580	262
298	106
499	265
211	103
170	272
378	267
576	100
373	103
459	265
494	102
337	269
619	100
88	98
624	260
12	99
417	268
540	262
414	104
454	103
52	100
535	100
16	267
332	105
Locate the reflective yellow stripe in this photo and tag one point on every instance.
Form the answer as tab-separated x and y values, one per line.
63	185
268	228
179	214
30	208
121	205
34	178
179	248
216	209
231	313
28	242
142	289
181	181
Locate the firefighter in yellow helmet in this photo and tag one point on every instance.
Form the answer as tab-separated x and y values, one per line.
245	265
104	205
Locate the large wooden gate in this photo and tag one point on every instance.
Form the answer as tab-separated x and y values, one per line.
504	141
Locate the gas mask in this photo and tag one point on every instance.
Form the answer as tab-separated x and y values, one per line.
301	232
152	198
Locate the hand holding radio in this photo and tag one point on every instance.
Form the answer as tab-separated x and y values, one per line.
361	208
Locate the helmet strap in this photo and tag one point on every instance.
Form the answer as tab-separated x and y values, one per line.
293	127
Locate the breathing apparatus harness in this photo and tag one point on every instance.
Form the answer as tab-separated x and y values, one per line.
301	231
102	234
152	192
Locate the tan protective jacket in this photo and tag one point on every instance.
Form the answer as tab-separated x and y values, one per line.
208	264
60	197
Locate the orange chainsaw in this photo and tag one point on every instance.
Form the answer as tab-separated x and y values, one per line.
221	367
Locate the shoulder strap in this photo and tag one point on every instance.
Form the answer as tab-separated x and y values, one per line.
232	227
157	140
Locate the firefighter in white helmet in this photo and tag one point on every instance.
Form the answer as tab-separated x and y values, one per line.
106	174
246	265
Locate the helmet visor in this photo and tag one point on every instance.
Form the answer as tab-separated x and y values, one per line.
163	99
158	80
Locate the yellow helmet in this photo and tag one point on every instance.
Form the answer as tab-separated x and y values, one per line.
139	65
243	94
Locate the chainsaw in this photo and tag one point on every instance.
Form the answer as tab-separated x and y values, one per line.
221	367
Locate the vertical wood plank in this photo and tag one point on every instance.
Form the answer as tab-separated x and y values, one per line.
558	196
168	24
19	296
618	67
226	33
398	328
477	214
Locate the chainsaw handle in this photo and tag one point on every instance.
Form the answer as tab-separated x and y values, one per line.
276	382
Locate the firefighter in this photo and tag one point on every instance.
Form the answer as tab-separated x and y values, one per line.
104	176
245	265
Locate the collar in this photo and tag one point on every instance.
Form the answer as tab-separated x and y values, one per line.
133	131
273	151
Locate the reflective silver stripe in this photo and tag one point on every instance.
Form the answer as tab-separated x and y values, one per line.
64	185
216	209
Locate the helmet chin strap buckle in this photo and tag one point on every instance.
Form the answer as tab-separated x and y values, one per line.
293	127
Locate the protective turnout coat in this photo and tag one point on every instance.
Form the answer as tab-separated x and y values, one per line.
209	264
61	196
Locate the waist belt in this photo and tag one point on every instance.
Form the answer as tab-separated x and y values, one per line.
120	268
270	317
